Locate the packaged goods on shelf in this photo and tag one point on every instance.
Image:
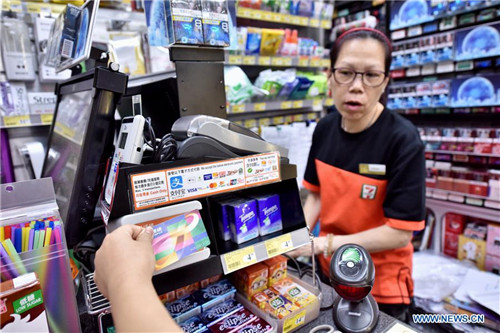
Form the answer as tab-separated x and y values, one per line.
215	22
252	279
477	42
276	268
269	213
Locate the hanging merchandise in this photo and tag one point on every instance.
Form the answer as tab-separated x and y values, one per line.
126	49
16	50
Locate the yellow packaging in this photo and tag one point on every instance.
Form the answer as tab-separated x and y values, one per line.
252	279
473	250
294	292
280	307
271	41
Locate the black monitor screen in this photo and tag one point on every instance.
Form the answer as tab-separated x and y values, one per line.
70	128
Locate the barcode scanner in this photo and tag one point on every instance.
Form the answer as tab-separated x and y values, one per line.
352	274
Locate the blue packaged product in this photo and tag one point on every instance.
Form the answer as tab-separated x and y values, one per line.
70	31
254	36
269	213
193	325
214	293
242	216
183	308
215	22
220	311
224	230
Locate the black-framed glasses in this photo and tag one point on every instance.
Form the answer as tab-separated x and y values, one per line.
371	78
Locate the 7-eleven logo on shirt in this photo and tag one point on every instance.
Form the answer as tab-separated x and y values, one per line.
368	191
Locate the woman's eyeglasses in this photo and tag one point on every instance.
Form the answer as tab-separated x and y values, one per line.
369	78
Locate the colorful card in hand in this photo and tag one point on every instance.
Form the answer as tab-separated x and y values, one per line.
178	237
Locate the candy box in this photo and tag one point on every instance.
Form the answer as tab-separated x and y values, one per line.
219	311
183	308
258	325
294	293
276	267
279	307
214	293
187	290
232	321
252	279
193	325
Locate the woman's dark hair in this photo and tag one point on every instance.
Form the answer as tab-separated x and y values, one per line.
363	33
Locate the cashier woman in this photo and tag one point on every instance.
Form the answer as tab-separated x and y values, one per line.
366	179
366	171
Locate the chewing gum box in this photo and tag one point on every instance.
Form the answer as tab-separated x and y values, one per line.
232	321
258	325
269	214
193	325
214	294
294	292
219	311
243	221
21	305
183	308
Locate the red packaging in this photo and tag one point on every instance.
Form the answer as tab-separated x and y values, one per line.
232	322
479	183
187	290
483	145
451	244
168	297
461	178
454	223
258	325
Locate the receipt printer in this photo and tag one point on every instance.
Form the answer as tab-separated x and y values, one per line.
208	136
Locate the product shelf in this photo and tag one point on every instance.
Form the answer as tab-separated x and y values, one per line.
27	120
280	105
262	15
277	61
455	193
459	153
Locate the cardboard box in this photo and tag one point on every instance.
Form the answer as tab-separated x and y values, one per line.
454	223
493	240
252	279
473	250
277	269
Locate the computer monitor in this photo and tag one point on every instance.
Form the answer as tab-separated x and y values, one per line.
80	142
71	36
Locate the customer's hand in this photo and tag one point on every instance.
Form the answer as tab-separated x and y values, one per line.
125	258
306	251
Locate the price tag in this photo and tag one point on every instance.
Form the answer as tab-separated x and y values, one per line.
249	123
278	120
16	6
57	9
238	108
289	119
286	105
314	23
33	8
244	12
311	116
315	62
240	258
256	14
298	104
264	121
264	61
249	60
5	6
329	102
286	18
279	245
13	121
303	62
317	103
46	119
295	19
325	63
294	322
287	61
45	10
304	21
260	106
268	16
325	24
299	117
277	61
235	60
278	17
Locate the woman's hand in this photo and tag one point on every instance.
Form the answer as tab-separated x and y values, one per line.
305	251
125	258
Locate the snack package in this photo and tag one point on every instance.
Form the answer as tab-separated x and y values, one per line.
232	321
193	325
219	311
22	306
294	292
258	325
183	308
271	41
214	294
277	268
279	307
252	279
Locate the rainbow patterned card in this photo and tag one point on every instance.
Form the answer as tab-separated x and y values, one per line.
178	237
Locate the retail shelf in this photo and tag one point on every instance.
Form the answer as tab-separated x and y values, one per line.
26	120
486	119
459	153
280	105
262	15
249	255
259	119
31	7
455	193
441	207
277	61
